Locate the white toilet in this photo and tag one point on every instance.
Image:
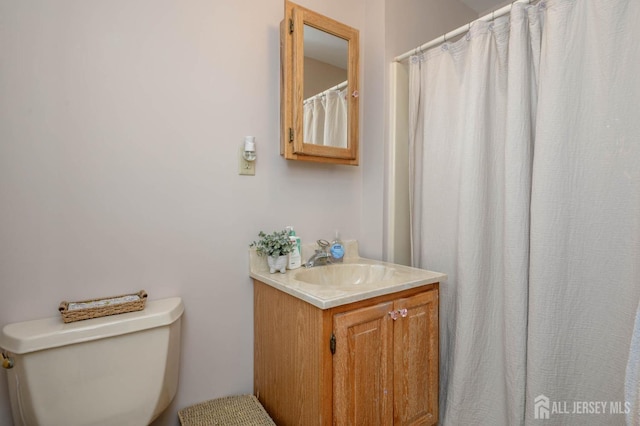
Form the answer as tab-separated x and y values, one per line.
115	370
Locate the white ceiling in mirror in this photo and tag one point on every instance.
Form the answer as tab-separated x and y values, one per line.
485	6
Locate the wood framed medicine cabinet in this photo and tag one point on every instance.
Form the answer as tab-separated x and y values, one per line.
313	44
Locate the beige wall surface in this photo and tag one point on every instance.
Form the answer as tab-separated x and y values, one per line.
120	124
320	76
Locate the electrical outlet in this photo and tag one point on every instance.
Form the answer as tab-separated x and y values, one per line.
247	168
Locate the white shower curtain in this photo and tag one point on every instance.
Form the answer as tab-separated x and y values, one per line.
525	164
325	119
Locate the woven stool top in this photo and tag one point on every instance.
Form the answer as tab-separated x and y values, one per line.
242	410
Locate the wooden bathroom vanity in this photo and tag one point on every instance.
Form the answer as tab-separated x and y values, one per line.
372	361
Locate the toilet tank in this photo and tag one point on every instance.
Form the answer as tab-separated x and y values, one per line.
115	370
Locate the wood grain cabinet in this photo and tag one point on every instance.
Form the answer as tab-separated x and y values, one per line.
373	362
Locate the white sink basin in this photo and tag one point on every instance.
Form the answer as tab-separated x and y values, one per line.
339	284
344	275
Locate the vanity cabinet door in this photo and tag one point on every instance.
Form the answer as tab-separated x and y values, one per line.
362	367
415	355
385	366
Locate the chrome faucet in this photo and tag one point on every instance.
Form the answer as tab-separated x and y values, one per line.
321	256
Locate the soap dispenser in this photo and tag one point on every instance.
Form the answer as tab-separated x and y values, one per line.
295	258
337	249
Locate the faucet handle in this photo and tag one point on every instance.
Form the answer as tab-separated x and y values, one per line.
323	243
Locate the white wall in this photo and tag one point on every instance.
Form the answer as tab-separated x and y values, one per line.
120	123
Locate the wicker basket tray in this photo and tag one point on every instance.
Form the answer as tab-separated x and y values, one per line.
95	308
241	410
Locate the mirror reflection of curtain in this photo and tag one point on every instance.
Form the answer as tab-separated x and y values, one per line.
314	121
325	119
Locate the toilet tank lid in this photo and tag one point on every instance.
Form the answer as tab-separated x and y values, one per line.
30	336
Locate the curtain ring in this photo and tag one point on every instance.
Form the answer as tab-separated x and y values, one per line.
444	37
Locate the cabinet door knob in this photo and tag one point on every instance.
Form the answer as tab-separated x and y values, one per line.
398	313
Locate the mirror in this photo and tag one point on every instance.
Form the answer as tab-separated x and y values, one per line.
324	105
319	88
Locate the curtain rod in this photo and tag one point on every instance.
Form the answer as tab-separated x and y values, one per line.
451	34
336	87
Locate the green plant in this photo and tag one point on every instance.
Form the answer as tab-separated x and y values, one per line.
275	244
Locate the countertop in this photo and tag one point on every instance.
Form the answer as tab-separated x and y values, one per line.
324	297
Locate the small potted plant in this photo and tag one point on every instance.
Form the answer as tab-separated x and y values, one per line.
276	247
